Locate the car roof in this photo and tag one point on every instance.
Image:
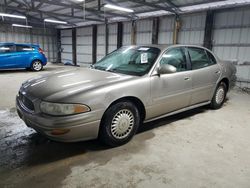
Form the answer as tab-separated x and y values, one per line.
163	47
12	43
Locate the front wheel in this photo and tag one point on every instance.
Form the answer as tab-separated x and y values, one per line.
36	65
219	96
119	124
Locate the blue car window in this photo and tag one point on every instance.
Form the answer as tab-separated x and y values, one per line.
7	48
23	48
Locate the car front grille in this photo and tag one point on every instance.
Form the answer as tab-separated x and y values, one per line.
27	103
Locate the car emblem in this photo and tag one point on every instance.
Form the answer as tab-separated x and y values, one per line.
23	92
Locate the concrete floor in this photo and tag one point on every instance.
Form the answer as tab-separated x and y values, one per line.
198	148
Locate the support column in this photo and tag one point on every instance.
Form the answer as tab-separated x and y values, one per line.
58	38
177	26
106	37
155	30
119	34
133	33
208	43
74	57
94	43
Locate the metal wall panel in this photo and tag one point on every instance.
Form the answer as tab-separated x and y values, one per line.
231	37
66	45
166	28
144	32
100	42
126	38
192	29
112	37
84	45
44	37
243	76
231	40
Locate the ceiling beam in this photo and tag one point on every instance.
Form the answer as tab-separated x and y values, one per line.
50	14
27	4
80	7
153	5
39	5
172	5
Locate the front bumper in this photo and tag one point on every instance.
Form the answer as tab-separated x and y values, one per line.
80	127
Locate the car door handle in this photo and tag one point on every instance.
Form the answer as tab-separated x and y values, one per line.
186	78
217	72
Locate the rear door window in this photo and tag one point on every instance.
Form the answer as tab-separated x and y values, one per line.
24	48
199	58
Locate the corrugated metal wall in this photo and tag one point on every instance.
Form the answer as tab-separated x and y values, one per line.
66	45
46	38
84	45
231	39
112	37
166	28
100	42
144	31
192	29
231	36
126	38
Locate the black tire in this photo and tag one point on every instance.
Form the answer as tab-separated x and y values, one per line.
36	65
219	96
113	123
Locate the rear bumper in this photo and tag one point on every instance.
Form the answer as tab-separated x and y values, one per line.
77	127
44	60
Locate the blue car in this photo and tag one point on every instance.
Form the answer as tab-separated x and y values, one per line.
15	56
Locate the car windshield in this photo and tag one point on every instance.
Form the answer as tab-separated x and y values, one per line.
129	60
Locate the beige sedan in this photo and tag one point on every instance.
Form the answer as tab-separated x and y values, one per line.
134	84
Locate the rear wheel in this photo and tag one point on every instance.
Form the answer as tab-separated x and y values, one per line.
36	65
219	96
119	124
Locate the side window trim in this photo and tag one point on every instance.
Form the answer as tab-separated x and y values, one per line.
188	59
207	52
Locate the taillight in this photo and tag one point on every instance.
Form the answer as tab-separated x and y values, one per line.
41	51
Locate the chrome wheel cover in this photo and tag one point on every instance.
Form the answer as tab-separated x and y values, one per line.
122	124
220	95
37	65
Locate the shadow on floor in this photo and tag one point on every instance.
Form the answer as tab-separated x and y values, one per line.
34	149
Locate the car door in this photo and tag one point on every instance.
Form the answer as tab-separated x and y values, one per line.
23	55
7	58
205	73
171	92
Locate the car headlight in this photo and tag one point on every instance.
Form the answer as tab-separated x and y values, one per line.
59	109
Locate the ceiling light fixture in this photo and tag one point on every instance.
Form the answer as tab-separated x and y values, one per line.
17	25
118	8
12	16
55	21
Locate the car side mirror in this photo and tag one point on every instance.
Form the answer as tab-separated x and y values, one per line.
166	69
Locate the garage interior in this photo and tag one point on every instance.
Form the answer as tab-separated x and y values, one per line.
197	148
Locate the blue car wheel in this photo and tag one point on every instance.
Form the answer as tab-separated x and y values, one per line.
36	65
